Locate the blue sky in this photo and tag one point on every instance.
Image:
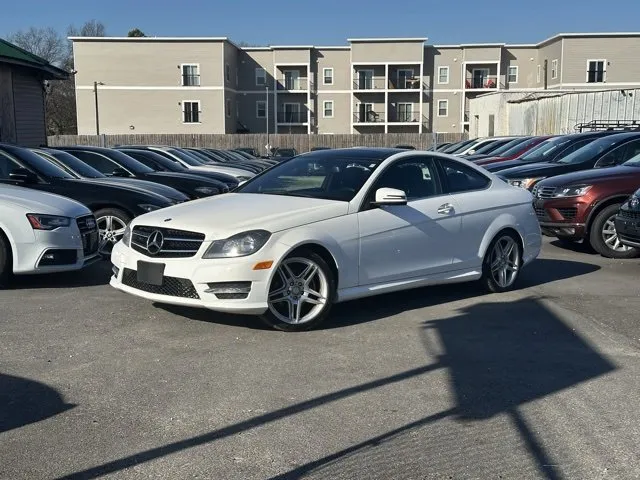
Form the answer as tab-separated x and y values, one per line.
330	22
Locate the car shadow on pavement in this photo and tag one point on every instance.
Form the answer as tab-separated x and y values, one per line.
539	272
24	401
582	247
496	364
94	275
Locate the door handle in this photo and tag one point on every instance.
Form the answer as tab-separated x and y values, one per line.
445	209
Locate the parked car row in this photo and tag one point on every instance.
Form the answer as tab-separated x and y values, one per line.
80	192
584	185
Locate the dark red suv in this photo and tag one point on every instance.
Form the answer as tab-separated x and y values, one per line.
583	206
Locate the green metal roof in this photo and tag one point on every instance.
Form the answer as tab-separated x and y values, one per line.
10	53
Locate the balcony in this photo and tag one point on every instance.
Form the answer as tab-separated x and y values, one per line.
368	117
406	84
294	85
481	82
292	118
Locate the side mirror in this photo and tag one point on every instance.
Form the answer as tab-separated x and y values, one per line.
120	172
22	175
390	196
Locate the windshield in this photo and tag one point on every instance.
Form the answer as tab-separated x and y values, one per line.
74	165
519	147
455	146
36	162
315	175
589	151
150	158
506	146
465	146
546	149
185	157
491	147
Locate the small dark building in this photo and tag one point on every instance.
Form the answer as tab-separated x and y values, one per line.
22	95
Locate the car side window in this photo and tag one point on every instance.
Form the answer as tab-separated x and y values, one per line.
621	154
142	158
416	176
460	178
97	161
7	165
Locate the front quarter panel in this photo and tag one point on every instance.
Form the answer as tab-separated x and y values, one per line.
337	235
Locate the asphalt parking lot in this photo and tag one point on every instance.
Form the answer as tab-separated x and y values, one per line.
439	383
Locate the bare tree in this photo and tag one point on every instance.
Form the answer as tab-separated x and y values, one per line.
43	42
60	101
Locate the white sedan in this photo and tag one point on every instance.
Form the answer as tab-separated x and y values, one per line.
42	233
330	226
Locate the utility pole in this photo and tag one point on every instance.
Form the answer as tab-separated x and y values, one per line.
95	95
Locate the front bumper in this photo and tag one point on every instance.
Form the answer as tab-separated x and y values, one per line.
562	218
186	280
628	231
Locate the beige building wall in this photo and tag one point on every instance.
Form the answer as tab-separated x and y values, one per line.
550	52
452	121
621	54
380	51
526	59
341	121
340	62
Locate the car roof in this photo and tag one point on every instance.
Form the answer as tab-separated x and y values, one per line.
362	152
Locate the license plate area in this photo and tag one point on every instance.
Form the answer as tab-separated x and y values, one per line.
151	273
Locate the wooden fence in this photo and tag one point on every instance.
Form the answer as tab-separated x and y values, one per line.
301	142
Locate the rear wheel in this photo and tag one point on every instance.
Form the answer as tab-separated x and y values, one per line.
5	261
111	225
502	263
604	238
301	293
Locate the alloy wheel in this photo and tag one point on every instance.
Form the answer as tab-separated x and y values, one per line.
505	261
299	291
610	236
111	230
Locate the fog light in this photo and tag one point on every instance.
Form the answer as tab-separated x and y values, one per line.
58	257
229	290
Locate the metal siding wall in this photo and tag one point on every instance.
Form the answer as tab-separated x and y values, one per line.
28	94
560	114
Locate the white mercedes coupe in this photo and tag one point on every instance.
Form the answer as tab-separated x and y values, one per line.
330	226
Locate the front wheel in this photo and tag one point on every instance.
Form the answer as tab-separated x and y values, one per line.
603	236
502	263
111	225
301	293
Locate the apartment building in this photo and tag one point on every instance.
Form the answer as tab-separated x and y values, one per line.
371	85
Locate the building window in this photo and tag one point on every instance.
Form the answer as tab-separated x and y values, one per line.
538	74
227	72
554	69
443	108
327	109
327	76
405	112
443	75
596	70
513	74
261	109
261	76
191	111
228	108
190	75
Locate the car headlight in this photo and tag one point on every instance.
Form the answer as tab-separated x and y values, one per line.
47	222
126	236
576	191
524	182
240	245
147	207
207	190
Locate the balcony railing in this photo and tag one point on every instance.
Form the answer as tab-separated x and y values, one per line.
293	84
483	81
404	117
407	84
293	117
368	117
375	83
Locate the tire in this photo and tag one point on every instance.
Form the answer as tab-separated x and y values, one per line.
504	253
303	285
5	261
109	237
604	239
